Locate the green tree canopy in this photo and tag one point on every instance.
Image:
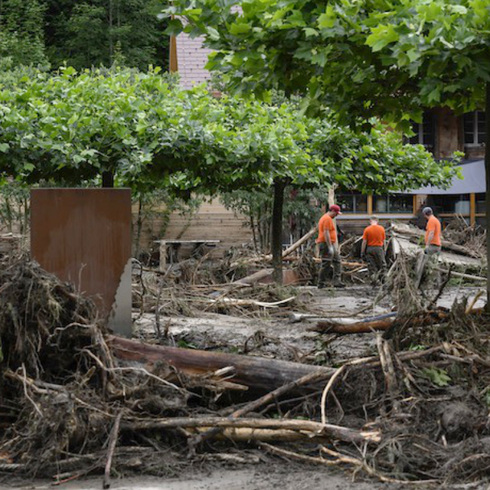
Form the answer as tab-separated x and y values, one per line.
21	32
144	130
99	32
363	58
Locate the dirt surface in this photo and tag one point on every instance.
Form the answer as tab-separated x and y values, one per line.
261	477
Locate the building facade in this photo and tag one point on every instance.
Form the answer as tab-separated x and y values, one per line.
441	131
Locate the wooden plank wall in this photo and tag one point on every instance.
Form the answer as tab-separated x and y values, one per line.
212	222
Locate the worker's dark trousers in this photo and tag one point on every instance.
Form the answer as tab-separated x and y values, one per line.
330	265
430	256
375	258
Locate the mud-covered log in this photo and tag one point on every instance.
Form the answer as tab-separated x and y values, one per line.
255	372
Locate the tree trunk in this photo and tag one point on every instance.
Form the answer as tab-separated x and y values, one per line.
139	226
331	195
107	179
276	242
257	373
487	195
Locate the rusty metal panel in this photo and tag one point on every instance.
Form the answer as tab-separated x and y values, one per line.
84	236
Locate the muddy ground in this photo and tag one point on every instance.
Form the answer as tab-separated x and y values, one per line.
259	477
270	332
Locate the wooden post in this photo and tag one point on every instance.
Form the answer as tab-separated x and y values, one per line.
276	241
173	65
414	204
163	256
370	204
472	209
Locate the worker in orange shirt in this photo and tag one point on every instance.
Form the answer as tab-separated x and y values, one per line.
432	243
328	245
372	249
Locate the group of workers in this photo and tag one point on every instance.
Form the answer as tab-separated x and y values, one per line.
373	248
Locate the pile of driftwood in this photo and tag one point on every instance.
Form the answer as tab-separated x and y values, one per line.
76	400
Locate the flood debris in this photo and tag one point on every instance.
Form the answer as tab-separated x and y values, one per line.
76	399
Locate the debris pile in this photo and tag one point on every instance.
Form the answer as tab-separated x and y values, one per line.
471	237
77	400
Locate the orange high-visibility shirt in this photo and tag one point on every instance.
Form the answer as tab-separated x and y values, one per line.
433	224
374	235
326	225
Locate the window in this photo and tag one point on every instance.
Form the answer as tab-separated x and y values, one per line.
452	204
352	202
393	203
425	132
480	203
474	128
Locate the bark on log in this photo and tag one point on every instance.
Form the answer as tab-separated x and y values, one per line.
254	278
422	319
425	318
358	327
255	372
300	242
405	230
244	434
460	274
317	428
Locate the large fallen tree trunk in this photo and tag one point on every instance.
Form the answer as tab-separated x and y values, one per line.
255	372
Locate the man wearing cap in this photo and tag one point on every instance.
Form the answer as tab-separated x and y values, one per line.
432	242
372	249
329	248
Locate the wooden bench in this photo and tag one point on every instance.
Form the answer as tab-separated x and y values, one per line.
175	245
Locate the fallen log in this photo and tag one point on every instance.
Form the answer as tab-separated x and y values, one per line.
300	242
314	428
255	372
462	275
244	434
254	278
405	230
384	322
249	302
380	323
358	327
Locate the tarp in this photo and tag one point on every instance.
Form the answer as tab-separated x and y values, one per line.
473	181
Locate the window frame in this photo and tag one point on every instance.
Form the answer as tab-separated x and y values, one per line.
475	143
427	126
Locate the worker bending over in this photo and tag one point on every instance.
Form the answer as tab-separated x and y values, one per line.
373	250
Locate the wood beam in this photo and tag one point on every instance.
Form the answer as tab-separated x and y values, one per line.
174	65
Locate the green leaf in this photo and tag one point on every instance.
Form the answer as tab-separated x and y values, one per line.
240	28
213	33
381	36
437	376
327	19
309	32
